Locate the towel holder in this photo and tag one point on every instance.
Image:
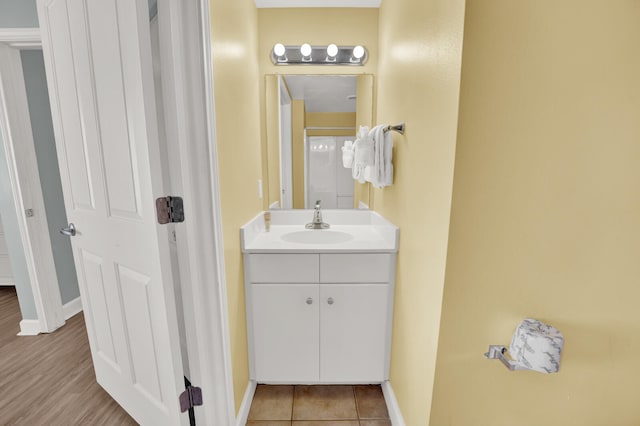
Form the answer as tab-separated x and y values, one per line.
397	128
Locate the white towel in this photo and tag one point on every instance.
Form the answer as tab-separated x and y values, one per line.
381	174
347	154
363	154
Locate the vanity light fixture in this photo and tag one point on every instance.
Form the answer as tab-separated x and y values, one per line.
306	54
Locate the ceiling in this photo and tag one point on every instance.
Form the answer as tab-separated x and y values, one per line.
317	3
323	93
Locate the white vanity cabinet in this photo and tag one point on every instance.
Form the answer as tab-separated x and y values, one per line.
319	317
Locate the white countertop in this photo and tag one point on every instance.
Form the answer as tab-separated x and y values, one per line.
369	232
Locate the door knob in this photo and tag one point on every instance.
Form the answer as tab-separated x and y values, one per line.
330	301
70	231
309	301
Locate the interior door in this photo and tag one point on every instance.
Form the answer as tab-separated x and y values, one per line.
100	78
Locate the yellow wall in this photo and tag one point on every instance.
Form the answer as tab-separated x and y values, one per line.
236	82
297	152
330	121
546	214
418	82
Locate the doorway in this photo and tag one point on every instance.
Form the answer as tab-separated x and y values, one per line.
31	206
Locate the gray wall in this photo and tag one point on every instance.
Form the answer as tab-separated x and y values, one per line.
45	144
18	14
14	242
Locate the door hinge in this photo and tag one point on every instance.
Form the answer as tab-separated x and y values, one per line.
169	210
192	397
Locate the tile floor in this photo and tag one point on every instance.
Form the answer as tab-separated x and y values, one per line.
318	406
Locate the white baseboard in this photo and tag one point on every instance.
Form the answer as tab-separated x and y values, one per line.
29	328
243	412
72	308
392	405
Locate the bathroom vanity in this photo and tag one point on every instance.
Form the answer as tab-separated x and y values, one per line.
319	302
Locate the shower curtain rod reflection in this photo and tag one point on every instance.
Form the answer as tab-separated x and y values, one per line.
397	128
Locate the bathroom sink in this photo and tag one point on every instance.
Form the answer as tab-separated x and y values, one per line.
316	237
352	231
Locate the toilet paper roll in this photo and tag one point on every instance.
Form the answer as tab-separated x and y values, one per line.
536	346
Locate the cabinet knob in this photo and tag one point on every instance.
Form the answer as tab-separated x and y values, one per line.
330	301
309	301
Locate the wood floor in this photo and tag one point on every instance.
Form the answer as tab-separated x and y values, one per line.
48	379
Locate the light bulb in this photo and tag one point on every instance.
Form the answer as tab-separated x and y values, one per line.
332	50
358	52
279	49
305	49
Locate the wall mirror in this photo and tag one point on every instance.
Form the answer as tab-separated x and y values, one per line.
308	118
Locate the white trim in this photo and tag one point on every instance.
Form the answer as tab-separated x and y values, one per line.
187	80
392	404
245	407
305	147
224	343
29	328
72	308
285	145
18	144
317	3
22	38
363	206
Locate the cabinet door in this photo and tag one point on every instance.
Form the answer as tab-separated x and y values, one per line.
354	325
286	332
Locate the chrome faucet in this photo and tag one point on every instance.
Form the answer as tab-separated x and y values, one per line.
317	222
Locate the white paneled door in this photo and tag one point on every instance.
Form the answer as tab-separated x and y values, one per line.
99	71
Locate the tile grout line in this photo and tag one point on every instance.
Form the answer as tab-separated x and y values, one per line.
355	401
293	402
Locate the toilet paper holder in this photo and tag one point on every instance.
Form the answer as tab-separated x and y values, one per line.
497	352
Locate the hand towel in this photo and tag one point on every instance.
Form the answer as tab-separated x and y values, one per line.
363	154
381	173
347	154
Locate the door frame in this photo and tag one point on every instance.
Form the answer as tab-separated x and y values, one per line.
19	148
286	144
187	80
